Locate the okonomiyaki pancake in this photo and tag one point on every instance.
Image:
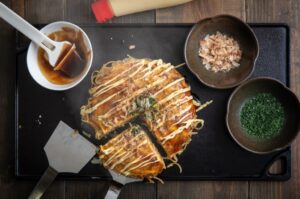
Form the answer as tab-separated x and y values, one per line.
110	97
150	89
132	153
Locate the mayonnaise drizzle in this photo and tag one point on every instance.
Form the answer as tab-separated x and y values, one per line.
93	108
178	101
127	154
156	68
120	149
182	119
143	164
122	154
133	95
119	106
168	86
136	161
94	89
172	95
188	123
108	87
181	112
108	150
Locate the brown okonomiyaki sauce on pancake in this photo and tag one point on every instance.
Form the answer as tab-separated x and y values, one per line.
157	94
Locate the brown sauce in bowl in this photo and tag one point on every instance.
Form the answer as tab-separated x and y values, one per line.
74	37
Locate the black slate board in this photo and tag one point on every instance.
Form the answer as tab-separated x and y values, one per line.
212	153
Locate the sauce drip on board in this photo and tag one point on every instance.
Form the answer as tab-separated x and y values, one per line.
57	76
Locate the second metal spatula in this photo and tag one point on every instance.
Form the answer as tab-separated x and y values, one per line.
116	185
67	151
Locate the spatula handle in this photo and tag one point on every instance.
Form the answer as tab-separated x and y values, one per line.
113	190
27	29
43	184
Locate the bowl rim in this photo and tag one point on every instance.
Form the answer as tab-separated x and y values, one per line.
264	78
212	18
74	83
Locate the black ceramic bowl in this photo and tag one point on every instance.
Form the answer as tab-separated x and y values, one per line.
285	96
234	28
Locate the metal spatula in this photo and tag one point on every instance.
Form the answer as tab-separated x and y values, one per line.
118	182
67	151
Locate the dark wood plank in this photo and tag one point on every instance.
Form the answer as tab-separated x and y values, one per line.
195	190
44	11
277	167
15	189
268	11
86	189
193	12
196	10
286	12
139	190
18	6
78	11
98	189
7	76
9	186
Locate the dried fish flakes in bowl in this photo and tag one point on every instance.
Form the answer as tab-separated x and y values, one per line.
219	52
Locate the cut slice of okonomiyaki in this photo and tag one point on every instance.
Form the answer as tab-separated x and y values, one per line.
132	154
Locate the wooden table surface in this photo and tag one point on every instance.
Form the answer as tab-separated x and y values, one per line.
78	11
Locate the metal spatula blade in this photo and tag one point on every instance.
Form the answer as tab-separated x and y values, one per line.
67	151
122	179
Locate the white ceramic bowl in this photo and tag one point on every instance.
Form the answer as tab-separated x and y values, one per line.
32	57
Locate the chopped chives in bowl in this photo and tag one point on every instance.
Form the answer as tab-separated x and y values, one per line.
262	116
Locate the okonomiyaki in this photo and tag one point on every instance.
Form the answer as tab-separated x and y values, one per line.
149	89
132	153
